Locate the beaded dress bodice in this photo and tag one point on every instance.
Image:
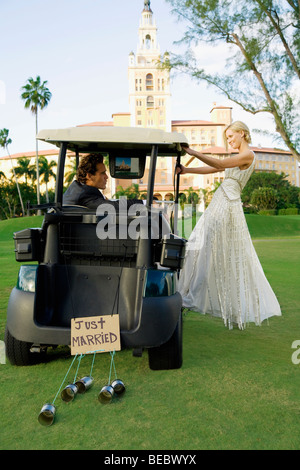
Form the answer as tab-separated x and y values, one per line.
235	180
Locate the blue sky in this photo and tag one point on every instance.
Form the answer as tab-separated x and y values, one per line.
81	47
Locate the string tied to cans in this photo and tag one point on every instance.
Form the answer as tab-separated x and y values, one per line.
115	387
48	411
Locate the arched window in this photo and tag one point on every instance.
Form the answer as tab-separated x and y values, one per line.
148	41
149	81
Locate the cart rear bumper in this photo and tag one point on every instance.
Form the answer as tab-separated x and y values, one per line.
158	320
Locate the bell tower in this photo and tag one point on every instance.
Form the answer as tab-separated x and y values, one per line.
149	84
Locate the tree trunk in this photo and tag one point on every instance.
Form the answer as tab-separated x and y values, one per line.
16	180
37	163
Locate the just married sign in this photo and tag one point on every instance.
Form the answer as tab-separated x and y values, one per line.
95	334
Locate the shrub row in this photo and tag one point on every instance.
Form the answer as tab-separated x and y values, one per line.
289	211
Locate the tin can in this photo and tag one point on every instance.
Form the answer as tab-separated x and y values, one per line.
118	386
84	384
47	414
106	394
69	392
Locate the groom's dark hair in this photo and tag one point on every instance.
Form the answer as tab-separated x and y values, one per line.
88	164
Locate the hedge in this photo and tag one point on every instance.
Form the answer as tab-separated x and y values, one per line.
267	212
288	211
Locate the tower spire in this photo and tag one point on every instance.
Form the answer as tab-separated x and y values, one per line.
147	6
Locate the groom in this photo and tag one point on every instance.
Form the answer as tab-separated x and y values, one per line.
91	177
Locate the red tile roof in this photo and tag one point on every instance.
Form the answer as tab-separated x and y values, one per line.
44	153
195	123
222	150
270	150
218	150
97	123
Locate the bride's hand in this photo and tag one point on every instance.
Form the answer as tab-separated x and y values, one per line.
180	170
188	150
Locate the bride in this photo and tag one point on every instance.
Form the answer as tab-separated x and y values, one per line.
222	275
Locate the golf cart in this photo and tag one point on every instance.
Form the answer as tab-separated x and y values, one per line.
77	273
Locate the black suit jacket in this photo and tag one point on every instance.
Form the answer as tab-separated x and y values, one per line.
90	197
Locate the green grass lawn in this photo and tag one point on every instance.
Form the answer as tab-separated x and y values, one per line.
235	390
278	226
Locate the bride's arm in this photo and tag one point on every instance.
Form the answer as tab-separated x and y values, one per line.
201	170
242	159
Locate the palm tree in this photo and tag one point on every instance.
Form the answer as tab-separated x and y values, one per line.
182	201
134	191
25	168
70	175
5	141
36	95
45	169
205	194
192	196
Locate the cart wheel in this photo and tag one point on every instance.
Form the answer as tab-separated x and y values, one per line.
18	352
169	354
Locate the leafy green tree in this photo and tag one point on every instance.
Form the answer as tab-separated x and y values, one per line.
36	96
287	193
6	207
10	201
262	72
5	141
132	192
264	198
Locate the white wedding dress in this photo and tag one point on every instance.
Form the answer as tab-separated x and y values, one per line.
222	274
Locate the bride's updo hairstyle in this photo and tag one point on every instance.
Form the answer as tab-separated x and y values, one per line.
237	126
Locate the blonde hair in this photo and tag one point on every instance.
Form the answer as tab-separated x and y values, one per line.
237	126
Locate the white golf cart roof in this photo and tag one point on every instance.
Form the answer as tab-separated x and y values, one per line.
96	138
